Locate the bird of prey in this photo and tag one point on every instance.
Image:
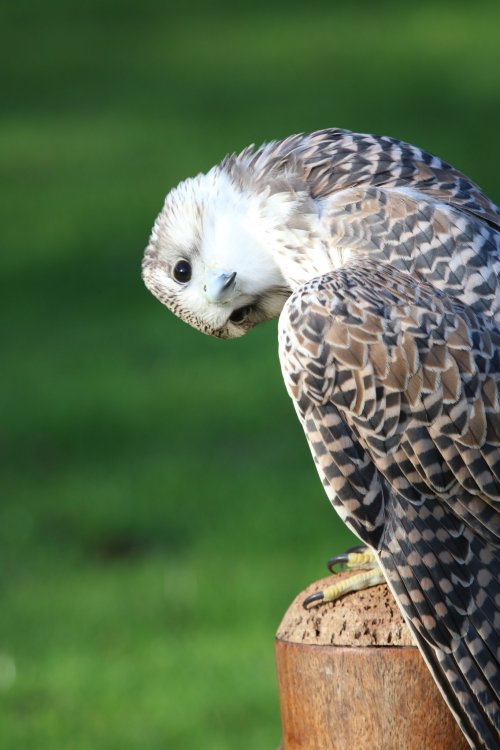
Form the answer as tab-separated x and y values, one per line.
382	262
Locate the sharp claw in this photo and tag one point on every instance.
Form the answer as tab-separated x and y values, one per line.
343	558
318	597
333	561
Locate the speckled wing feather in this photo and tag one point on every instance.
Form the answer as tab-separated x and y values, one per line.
430	239
381	198
333	160
397	387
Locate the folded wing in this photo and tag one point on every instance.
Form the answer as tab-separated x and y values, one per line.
397	387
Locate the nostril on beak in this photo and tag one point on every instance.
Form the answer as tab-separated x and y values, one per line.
230	279
219	286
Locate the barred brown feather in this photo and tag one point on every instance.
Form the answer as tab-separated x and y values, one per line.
405	453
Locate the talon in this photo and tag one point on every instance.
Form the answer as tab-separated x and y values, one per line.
318	597
345	557
337	560
355	558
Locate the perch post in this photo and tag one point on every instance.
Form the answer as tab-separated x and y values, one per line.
349	676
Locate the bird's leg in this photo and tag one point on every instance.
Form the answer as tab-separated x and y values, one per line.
357	558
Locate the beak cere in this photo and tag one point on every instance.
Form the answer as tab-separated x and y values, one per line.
219	286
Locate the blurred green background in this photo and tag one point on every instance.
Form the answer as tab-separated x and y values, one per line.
159	505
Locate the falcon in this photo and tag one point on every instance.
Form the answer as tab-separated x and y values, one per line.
382	263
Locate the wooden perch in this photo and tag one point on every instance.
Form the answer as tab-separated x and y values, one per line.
349	676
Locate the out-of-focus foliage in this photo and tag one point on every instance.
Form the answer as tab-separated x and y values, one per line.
159	504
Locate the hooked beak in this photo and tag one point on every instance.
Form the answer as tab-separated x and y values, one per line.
219	286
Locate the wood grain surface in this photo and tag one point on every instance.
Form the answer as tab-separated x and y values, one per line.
349	677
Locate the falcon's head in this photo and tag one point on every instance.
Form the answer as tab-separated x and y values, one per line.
210	256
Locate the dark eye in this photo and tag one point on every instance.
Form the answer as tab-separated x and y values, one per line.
182	271
239	315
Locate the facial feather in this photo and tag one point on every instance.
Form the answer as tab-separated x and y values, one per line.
216	227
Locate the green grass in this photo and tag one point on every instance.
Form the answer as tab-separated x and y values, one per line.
159	505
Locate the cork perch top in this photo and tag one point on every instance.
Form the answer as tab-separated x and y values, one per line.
361	618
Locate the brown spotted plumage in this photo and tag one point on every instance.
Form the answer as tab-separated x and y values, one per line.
397	388
390	350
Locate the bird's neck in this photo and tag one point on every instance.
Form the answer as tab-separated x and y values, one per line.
300	247
287	235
